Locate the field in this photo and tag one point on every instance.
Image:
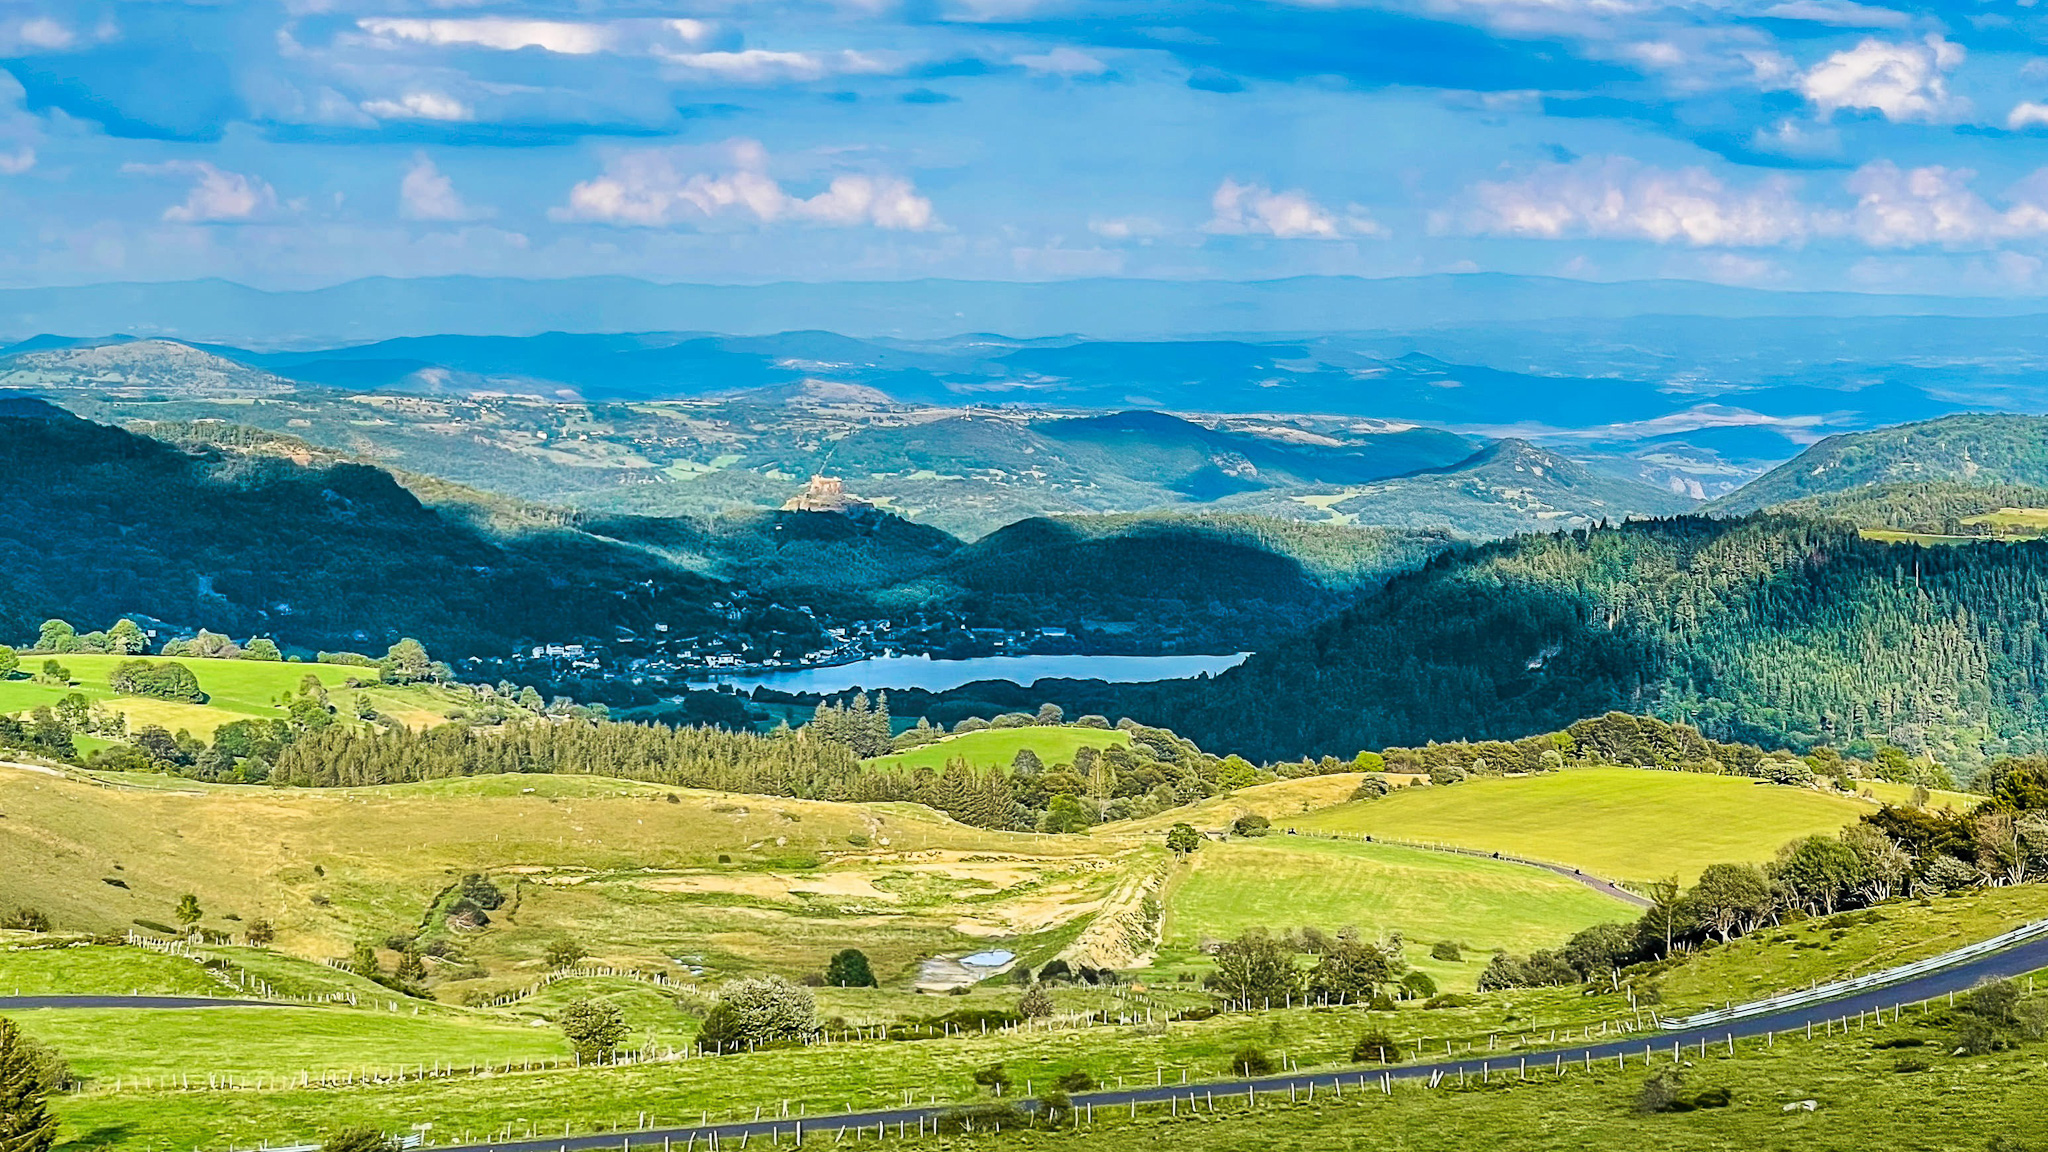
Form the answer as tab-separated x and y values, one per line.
1620	823
997	747
1284	882
706	882
235	689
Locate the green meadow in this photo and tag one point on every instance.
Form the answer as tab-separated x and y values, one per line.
1620	823
997	747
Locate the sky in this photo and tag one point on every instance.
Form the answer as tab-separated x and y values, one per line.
1792	144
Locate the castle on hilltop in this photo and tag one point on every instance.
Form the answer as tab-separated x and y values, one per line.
824	494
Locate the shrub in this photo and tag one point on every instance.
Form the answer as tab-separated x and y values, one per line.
563	953
758	1010
1447	951
1036	1003
849	969
1375	1047
1251	824
359	1140
993	1077
1252	1061
1075	1081
26	920
593	1028
1663	1092
1448	1000
1418	985
1371	788
162	680
986	1117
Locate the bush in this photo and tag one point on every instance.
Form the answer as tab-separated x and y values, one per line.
987	1117
1251	824
163	680
758	1010
25	920
1663	1092
1036	1003
1075	1081
1251	1061
593	1028
1418	985
1376	1047
1448	1000
993	1077
359	1140
849	969
1371	788
1447	951
563	953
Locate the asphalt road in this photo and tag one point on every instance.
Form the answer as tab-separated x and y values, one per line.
2020	959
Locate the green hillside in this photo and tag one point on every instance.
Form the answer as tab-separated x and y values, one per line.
997	747
1425	897
1770	630
100	522
235	690
1509	487
1619	823
1979	450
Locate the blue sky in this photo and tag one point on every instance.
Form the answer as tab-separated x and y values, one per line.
1801	144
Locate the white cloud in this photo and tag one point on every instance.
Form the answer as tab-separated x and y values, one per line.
567	38
420	106
43	32
1840	13
2026	114
1909	207
1062	61
1254	209
216	197
1903	81
762	66
1125	227
17	161
659	187
427	194
1619	198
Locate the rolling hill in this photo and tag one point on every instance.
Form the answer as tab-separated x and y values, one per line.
1969	449
99	522
1508	487
1769	630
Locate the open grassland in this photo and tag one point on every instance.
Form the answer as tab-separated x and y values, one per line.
235	690
1900	795
1282	801
1621	823
997	747
644	876
279	1044
1283	882
1828	948
1863	1098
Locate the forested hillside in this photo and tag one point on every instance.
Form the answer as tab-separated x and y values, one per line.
1937	507
99	522
1976	449
1772	630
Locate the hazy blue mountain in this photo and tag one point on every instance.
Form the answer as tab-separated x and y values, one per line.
381	308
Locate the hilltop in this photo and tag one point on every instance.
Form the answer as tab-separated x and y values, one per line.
1770	630
137	368
100	522
1508	487
1978	450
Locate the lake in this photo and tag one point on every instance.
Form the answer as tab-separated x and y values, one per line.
900	672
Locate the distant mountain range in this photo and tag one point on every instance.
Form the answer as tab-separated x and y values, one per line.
380	309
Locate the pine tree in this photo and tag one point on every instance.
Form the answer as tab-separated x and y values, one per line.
26	1124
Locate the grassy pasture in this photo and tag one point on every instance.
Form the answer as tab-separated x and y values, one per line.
996	747
1621	823
1887	792
235	689
613	864
1282	882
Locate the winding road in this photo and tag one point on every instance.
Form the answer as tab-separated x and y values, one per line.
2015	961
